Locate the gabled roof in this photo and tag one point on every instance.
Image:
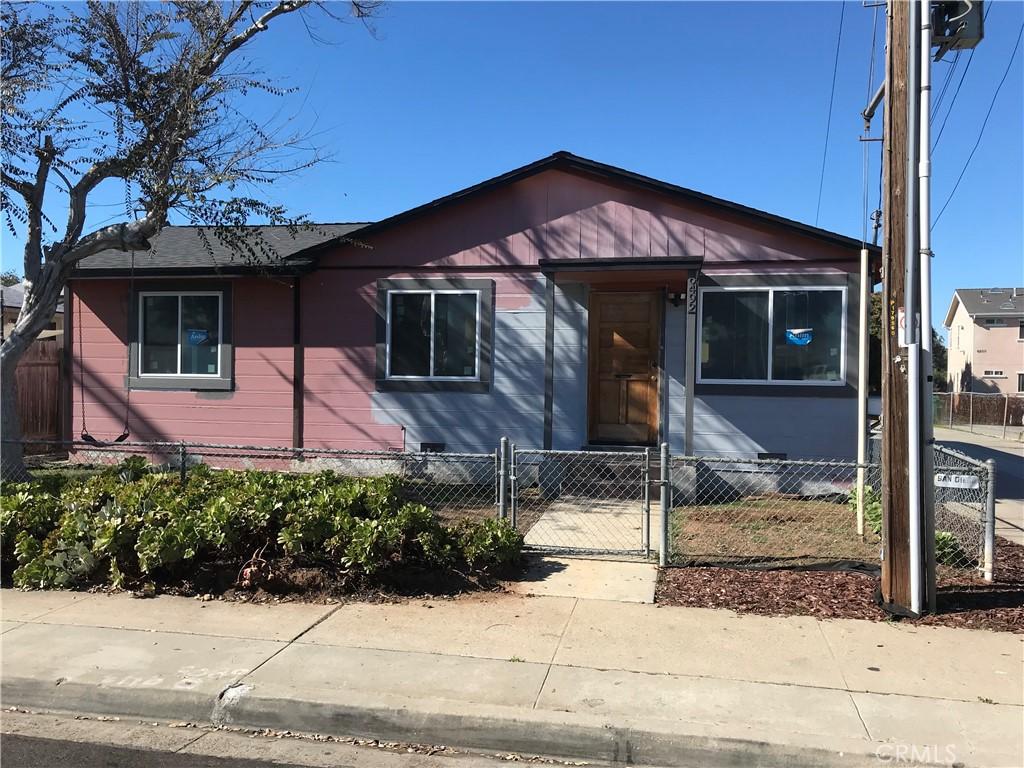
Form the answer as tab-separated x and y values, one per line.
567	161
185	251
987	302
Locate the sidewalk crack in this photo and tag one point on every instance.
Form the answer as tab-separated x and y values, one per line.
190	743
554	653
846	684
288	644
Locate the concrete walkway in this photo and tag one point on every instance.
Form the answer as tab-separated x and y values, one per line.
570	677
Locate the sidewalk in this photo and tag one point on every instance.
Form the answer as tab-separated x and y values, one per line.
576	678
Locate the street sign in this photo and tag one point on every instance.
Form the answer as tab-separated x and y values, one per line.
945	480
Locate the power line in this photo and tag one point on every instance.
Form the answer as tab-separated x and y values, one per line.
950	71
952	103
828	122
1009	66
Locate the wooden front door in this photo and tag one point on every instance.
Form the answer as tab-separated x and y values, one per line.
624	349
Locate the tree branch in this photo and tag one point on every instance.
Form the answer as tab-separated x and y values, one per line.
34	209
236	42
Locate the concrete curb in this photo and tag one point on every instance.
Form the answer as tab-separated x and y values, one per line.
570	736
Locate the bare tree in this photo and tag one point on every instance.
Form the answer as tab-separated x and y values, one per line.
150	95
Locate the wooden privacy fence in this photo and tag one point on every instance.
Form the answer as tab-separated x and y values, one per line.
39	390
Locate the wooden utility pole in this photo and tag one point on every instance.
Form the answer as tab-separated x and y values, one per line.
896	591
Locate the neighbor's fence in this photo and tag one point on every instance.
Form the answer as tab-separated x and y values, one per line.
39	375
686	510
1000	415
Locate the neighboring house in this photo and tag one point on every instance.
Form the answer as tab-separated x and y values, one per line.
986	340
564	304
11	299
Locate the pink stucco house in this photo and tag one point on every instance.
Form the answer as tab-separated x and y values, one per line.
986	340
565	304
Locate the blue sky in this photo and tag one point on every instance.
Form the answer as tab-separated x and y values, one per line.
727	98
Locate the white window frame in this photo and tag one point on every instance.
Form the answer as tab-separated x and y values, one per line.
142	337
1020	331
993	373
433	293
770	290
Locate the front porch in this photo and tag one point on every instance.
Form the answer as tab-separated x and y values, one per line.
617	338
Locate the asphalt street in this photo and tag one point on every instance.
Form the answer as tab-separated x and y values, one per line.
32	752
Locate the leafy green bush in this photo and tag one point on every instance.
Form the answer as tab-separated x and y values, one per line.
129	525
947	549
872	508
489	543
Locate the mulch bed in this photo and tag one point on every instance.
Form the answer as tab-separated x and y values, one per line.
964	600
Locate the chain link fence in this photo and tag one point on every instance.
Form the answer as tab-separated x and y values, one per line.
720	511
964	512
453	485
770	512
993	414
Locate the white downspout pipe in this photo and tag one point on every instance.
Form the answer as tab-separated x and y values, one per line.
927	436
862	385
912	312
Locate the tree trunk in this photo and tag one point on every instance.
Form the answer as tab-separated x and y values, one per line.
39	304
12	452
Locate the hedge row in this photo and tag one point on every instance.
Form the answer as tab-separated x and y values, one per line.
128	525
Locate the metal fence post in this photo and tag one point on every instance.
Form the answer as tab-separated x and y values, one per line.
990	521
970	418
646	480
514	485
183	462
1006	412
503	479
666	491
951	401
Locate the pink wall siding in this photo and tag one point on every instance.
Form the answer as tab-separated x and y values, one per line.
259	411
339	332
560	215
499	235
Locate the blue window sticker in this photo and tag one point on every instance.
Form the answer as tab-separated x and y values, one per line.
197	336
799	337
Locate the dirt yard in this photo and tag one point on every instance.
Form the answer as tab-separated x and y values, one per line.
774	530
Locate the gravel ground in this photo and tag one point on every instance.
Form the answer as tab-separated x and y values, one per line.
963	600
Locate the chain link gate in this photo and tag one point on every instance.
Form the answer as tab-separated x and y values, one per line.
583	502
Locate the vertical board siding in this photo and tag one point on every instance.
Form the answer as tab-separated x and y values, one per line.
258	411
557	215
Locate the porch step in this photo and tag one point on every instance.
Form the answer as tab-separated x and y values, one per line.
612	448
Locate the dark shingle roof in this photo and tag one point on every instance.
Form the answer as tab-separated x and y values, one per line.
988	302
14	297
181	250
